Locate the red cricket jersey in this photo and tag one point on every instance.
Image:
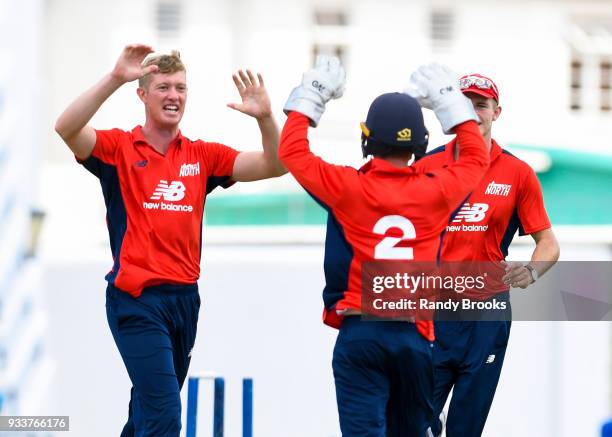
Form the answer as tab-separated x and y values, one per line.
508	197
155	204
379	212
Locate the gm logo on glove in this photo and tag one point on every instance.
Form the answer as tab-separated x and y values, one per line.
318	86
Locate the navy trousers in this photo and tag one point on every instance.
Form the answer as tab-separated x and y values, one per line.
384	379
154	334
468	357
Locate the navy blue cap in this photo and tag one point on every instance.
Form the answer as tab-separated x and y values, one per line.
396	119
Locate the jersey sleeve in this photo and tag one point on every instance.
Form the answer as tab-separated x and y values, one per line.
107	143
459	178
219	160
104	151
325	181
530	205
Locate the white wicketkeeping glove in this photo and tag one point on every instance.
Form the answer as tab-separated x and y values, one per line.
319	85
436	87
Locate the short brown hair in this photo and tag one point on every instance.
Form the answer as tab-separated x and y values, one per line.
167	64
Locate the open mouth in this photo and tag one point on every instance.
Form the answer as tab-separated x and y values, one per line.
171	108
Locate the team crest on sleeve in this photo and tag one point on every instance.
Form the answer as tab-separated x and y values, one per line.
494	189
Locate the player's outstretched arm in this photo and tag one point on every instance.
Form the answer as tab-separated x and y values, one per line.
72	123
304	108
319	85
436	87
253	166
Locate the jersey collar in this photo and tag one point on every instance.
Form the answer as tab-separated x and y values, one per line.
495	150
380	165
139	137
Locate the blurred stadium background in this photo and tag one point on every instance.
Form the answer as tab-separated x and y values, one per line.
262	260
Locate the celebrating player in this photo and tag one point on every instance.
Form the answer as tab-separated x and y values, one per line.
382	370
155	182
468	355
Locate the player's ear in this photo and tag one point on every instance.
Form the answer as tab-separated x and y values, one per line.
497	112
141	93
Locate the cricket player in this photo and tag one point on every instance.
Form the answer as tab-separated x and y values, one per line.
468	355
155	182
382	370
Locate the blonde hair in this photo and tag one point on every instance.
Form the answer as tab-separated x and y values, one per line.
167	64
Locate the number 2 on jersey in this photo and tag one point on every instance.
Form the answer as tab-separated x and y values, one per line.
387	248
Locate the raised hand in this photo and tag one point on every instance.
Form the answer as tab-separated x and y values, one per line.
320	84
436	87
255	100
129	65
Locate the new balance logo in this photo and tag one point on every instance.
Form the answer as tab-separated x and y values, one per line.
173	192
190	170
498	189
471	214
490	359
